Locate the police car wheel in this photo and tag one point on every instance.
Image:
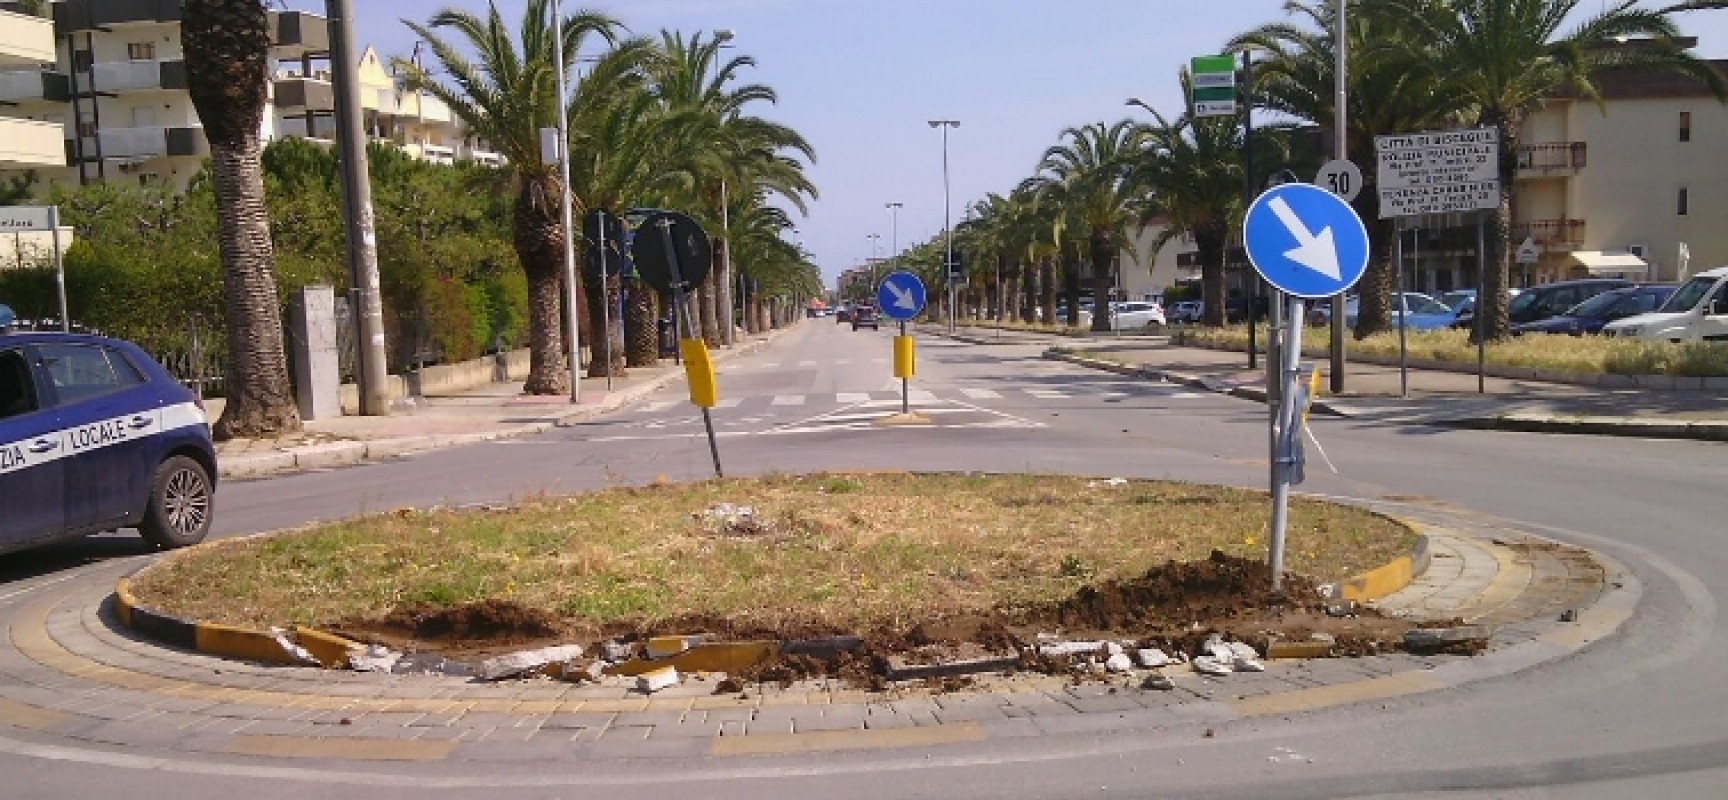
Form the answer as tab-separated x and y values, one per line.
180	504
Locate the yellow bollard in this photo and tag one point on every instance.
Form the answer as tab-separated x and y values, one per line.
905	356
699	370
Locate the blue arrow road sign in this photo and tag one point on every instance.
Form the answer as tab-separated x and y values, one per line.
900	295
1305	240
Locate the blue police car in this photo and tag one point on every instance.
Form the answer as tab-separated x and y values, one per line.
94	436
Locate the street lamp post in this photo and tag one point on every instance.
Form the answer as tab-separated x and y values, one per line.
724	286
874	238
947	229
894	233
571	334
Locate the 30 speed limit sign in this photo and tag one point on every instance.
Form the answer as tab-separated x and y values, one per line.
1340	177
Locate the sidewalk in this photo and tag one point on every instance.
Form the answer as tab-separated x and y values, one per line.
1378	392
490	411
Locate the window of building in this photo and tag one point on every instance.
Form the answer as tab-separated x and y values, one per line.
1682	203
1685	126
141	51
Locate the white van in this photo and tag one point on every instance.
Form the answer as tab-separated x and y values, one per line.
1697	311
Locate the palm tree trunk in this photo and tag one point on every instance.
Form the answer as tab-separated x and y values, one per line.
1103	257
606	355
641	326
261	398
723	292
710	325
538	237
1374	294
1047	289
1209	243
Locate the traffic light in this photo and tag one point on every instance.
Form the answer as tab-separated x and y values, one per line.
956	267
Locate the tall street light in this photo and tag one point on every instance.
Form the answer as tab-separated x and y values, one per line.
724	287
894	232
947	229
875	239
571	335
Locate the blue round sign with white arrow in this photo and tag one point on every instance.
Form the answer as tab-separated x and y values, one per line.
1305	240
900	295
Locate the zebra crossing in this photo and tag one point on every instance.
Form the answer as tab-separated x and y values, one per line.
814	412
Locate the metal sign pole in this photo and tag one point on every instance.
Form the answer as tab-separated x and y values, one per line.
605	302
678	300
1289	417
1403	349
905	406
1481	296
59	267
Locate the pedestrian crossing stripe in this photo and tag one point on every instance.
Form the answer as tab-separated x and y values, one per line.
981	394
787	400
852	397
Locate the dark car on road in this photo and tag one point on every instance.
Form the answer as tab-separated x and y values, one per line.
95	435
1590	315
864	317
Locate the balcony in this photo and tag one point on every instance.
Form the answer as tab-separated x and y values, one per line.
26	85
25	40
135	76
297	94
151	142
294	33
1556	159
488	158
90	15
1551	234
26	143
323	127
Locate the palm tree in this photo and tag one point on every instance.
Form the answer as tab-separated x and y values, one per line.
1089	171
227	46
1500	58
1192	170
505	95
724	152
1296	76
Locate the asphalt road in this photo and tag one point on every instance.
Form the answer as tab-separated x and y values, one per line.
1638	714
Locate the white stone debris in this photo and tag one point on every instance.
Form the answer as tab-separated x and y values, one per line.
293	650
373	658
655	680
1210	665
1113	649
1107	482
617	652
513	664
1119	663
1152	657
1060	649
1245	658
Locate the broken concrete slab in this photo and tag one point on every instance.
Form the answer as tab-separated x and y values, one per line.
666	646
1152	657
655	680
899	669
513	664
1065	649
1469	639
373	658
1118	663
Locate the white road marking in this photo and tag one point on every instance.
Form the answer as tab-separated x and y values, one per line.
1047	394
852	397
787	400
730	402
981	394
806	363
1186	395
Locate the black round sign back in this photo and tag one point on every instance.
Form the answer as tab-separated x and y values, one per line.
666	236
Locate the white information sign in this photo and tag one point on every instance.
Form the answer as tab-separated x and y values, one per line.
1437	172
26	218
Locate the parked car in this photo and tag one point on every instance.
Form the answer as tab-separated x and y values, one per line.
1465	308
1431	316
1554	299
1321	314
95	436
1697	311
1132	315
1591	315
864	317
1187	312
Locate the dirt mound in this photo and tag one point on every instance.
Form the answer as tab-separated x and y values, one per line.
1174	606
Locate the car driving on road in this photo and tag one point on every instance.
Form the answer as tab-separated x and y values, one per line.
95	435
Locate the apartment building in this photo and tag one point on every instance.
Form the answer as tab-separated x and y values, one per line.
116	81
26	143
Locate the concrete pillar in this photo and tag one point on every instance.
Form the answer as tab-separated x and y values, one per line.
317	369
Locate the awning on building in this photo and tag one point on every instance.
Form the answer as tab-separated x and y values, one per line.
1609	262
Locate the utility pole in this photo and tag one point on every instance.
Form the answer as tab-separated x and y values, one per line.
366	306
947	229
1340	117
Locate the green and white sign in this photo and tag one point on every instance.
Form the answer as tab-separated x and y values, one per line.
1214	85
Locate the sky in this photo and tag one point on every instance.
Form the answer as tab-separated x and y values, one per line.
860	79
